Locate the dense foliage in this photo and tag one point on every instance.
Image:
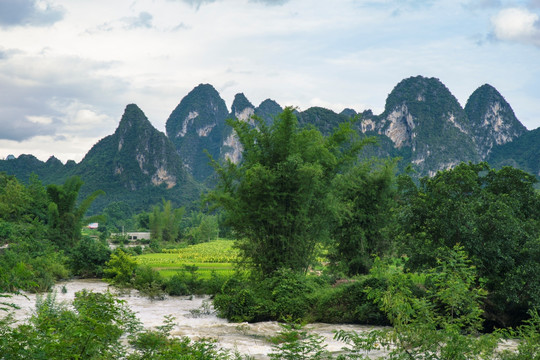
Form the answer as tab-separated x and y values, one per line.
365	198
276	200
95	328
495	216
66	217
29	260
165	222
522	153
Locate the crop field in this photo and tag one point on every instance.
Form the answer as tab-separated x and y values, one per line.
215	256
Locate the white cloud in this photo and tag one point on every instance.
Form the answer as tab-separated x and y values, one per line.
43	147
44	120
517	24
270	2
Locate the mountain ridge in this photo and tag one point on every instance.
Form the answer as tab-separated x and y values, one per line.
422	123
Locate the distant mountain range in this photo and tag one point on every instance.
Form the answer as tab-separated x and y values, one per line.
422	123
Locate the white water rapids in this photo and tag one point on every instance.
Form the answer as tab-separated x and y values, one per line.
194	317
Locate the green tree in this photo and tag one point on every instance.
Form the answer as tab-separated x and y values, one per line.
14	199
165	222
435	314
66	217
203	228
495	216
30	262
88	257
119	216
366	197
120	268
92	330
277	199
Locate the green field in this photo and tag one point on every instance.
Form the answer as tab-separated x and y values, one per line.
215	256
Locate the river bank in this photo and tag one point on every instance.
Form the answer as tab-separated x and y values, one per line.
194	318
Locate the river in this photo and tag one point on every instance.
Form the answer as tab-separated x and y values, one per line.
194	317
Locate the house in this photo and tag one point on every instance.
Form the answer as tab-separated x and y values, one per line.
133	236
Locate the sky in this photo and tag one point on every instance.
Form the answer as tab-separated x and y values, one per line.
68	68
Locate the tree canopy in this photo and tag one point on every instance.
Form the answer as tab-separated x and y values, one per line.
66	217
495	216
277	199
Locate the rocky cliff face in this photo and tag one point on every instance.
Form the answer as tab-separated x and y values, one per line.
426	125
137	165
423	123
242	110
141	148
492	120
196	125
136	155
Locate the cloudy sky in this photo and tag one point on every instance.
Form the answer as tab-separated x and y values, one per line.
68	68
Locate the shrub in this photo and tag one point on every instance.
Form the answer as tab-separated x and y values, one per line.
238	302
176	285
284	296
348	303
120	268
213	285
289	294
148	281
88	257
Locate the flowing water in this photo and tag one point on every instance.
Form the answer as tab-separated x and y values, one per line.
194	317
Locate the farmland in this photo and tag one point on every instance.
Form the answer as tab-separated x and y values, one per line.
215	256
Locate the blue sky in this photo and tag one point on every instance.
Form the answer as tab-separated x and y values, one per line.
68	68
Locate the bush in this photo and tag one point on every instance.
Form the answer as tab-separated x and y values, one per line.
289	294
214	285
284	296
239	306
88	257
91	329
176	285
148	281
348	303
187	282
33	272
120	269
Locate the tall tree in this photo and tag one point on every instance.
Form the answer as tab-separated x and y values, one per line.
277	199
365	197
165	222
66	217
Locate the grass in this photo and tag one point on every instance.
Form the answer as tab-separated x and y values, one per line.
215	256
